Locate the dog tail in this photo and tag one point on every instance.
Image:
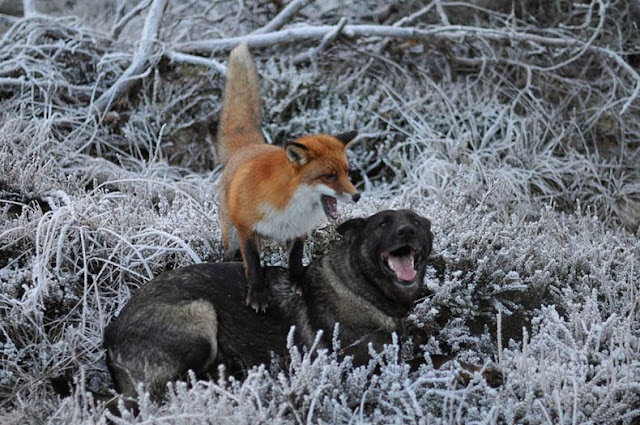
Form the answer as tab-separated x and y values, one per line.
241	117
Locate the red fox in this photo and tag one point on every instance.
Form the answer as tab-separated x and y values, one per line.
268	191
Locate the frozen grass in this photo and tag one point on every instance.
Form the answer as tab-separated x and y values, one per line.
523	156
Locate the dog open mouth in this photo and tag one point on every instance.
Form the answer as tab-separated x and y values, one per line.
401	263
330	206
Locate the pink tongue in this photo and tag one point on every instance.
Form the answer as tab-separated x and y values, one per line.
403	267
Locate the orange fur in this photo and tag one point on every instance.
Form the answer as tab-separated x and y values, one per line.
268	191
271	178
241	115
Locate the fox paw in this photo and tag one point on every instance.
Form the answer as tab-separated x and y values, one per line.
258	299
296	284
296	287
296	280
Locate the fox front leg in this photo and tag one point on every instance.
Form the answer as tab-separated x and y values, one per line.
296	269
258	293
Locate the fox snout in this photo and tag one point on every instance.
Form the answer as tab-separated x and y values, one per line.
349	197
347	192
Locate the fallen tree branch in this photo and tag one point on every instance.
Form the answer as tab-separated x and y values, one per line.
196	60
8	18
29	7
119	26
304	56
414	15
31	82
19	81
283	17
140	60
450	32
303	33
443	15
628	68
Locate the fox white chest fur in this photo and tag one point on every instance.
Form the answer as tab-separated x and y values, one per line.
302	214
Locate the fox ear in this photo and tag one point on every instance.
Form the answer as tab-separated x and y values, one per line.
350	228
347	137
296	153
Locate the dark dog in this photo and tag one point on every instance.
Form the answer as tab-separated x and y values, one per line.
196	318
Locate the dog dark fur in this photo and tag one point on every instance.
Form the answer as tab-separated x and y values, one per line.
196	318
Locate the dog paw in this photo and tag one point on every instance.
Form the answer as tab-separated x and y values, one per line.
258	299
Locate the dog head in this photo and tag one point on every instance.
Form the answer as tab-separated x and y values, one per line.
390	249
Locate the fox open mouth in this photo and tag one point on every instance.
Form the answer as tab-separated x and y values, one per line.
330	206
401	263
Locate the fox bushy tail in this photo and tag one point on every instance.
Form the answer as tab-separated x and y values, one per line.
241	117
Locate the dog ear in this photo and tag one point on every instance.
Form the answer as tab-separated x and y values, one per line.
427	226
296	153
349	228
426	223
347	137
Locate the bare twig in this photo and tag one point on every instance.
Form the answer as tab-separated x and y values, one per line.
414	15
12	81
22	81
196	60
8	18
122	4
140	59
283	17
304	56
628	68
406	20
443	15
29	7
119	26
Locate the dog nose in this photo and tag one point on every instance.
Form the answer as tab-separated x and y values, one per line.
406	231
356	197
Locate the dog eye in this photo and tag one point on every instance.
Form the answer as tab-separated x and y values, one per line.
331	177
384	223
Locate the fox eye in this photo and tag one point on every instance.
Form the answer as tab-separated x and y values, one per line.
330	177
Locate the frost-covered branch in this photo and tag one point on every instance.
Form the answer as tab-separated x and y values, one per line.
443	15
29	7
8	18
283	17
196	60
122	23
457	33
141	59
309	32
328	38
